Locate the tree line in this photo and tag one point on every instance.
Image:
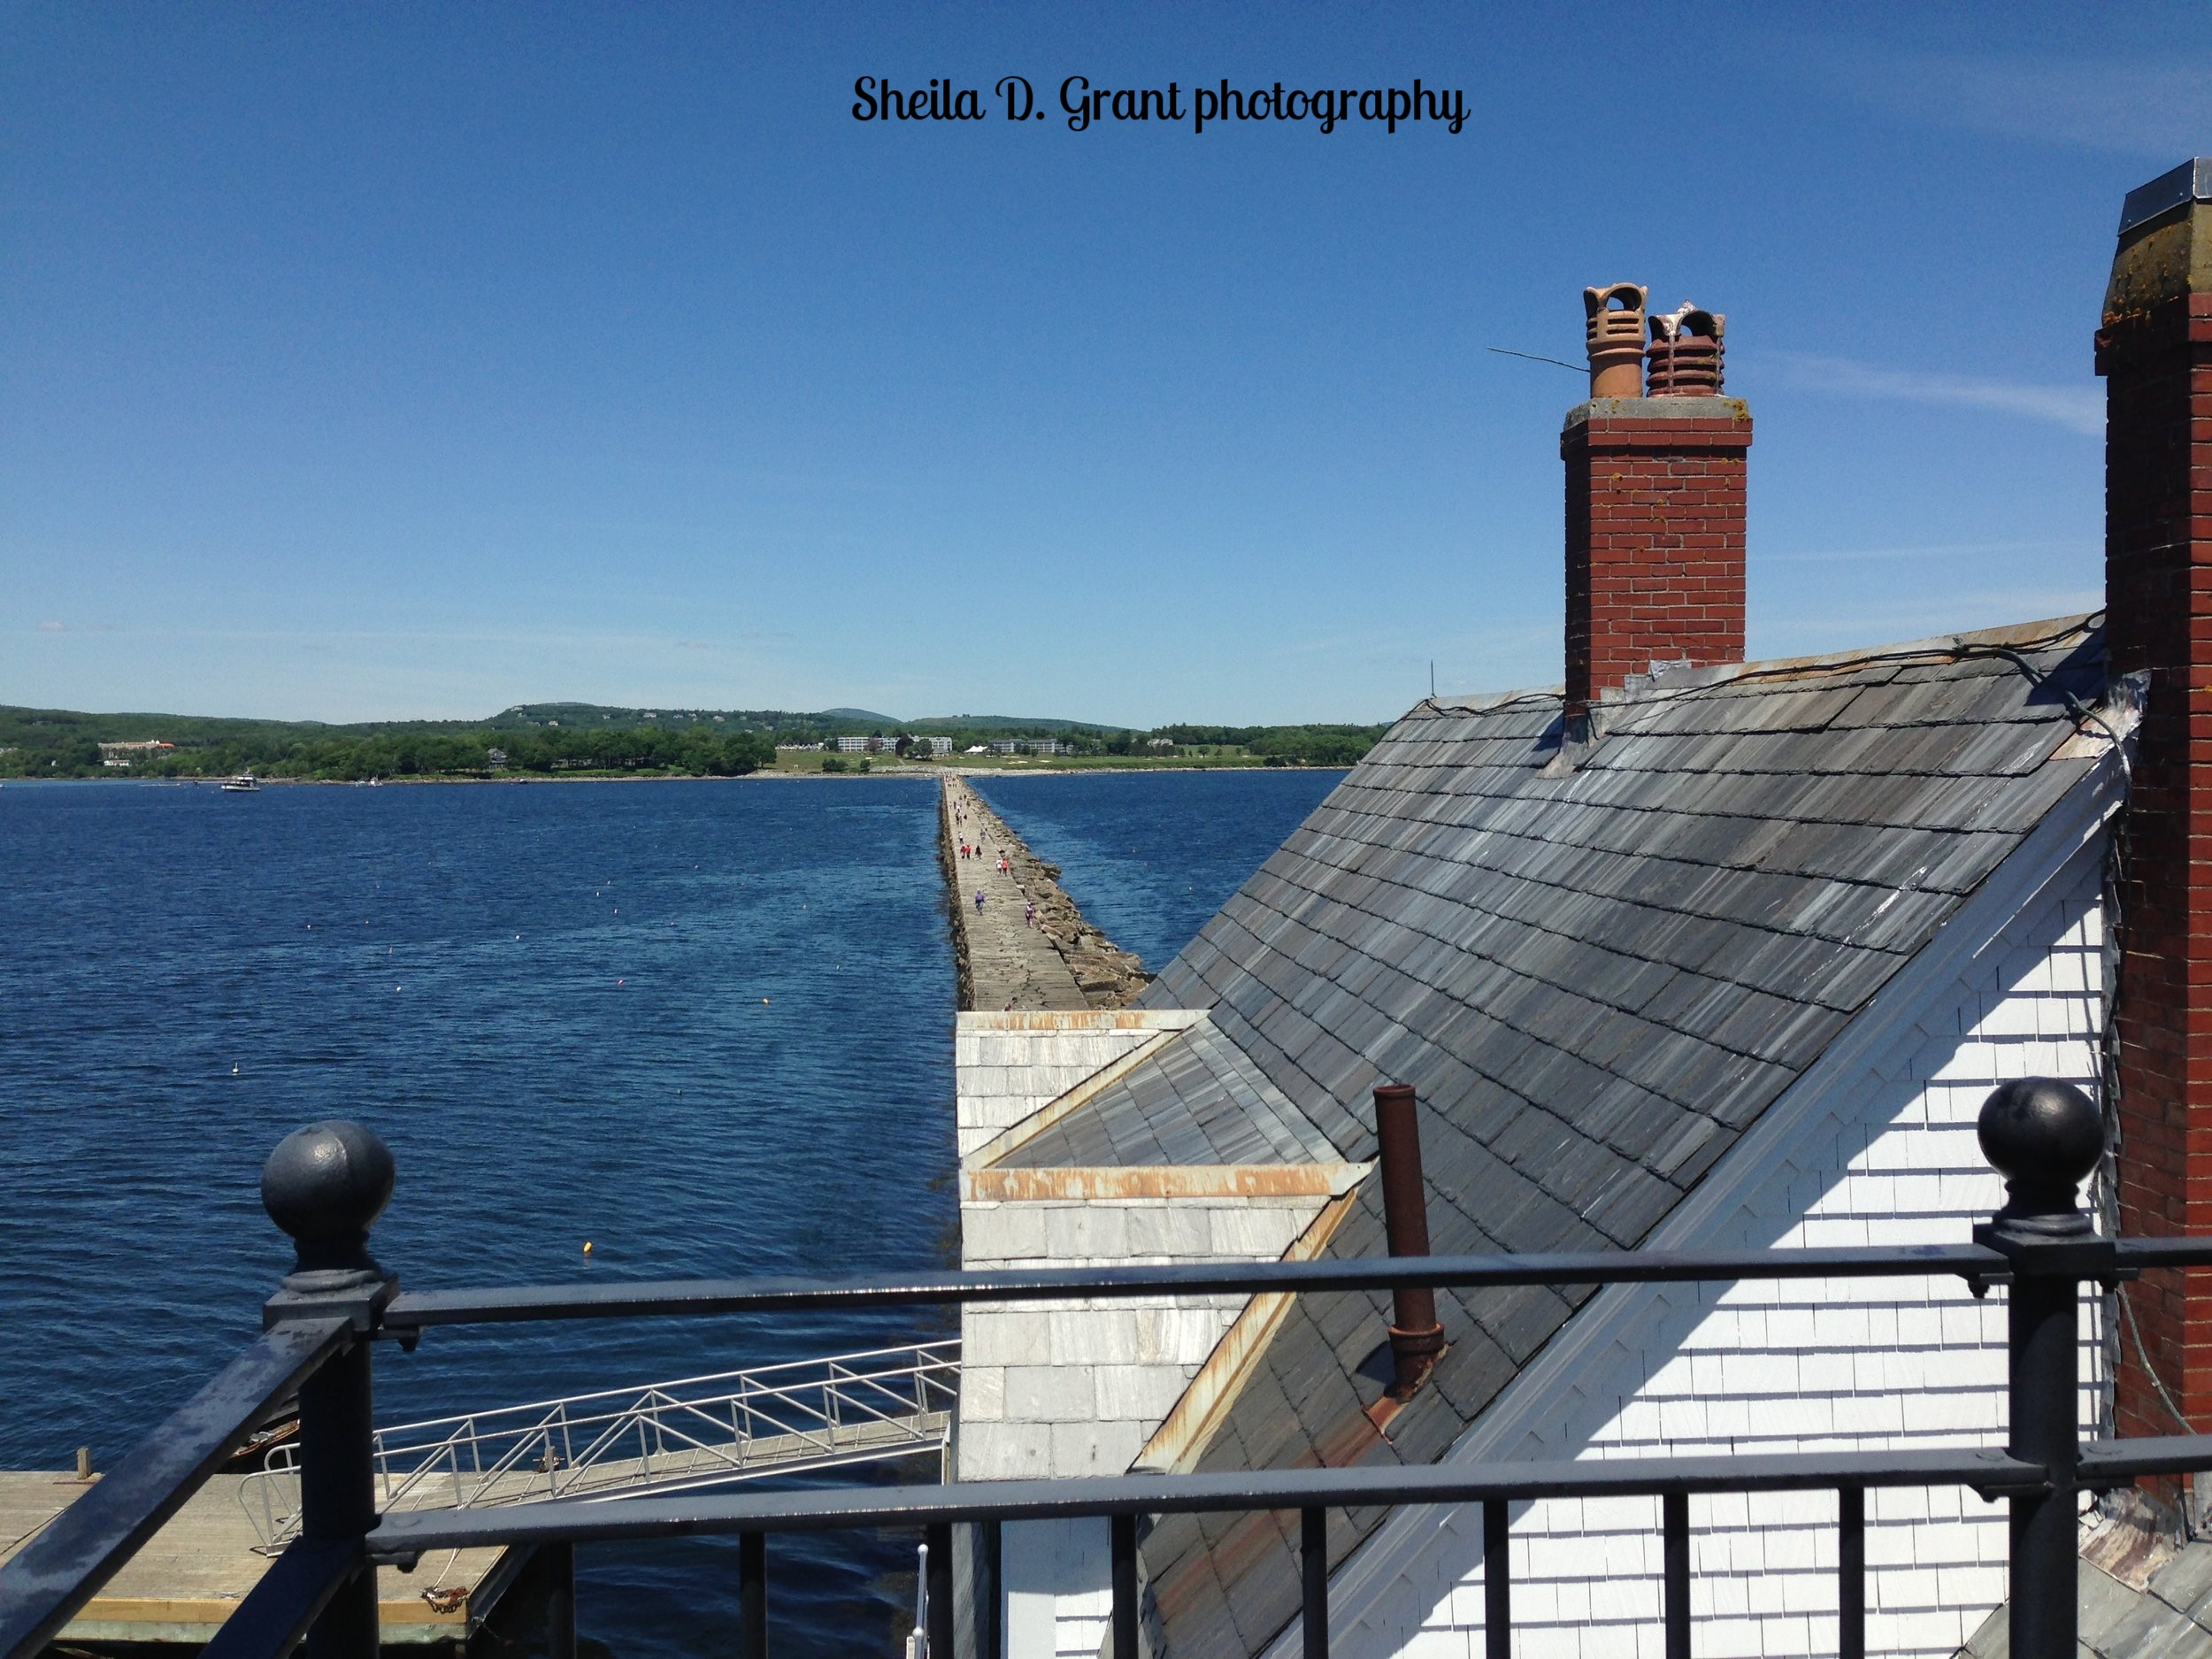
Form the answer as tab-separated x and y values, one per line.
693	753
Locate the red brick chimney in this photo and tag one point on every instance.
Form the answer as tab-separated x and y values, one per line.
1654	499
2155	354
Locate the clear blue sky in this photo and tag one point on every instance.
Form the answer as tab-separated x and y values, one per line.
409	359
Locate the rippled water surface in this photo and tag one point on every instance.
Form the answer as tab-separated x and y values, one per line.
705	1025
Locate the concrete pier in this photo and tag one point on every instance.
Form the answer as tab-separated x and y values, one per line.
1053	961
191	1574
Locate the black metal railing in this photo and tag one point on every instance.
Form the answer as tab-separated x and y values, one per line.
327	1183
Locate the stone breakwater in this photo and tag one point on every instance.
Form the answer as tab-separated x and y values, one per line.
1056	960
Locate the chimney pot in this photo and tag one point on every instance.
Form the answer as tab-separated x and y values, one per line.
1415	1338
1685	353
1615	338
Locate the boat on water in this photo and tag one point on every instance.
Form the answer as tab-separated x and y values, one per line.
244	783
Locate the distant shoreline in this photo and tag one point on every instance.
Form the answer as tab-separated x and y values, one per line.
766	774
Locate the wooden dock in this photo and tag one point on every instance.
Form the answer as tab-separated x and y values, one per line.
193	1573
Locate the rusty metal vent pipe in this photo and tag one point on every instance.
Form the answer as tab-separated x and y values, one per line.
1415	1338
1616	338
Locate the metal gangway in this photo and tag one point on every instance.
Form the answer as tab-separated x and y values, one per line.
696	1432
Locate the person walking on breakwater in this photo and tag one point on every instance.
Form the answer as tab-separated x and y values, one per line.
979	902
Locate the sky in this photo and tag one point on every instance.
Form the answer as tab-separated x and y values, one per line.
412	360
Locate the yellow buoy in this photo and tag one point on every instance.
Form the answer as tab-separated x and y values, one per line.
587	1247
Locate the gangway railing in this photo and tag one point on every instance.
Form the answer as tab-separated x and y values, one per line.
327	1183
876	1406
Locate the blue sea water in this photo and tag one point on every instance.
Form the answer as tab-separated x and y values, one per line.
1150	856
706	1026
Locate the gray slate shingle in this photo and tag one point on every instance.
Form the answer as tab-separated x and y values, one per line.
1597	980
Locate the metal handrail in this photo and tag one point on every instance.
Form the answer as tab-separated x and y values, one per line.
815	1413
326	1184
413	1312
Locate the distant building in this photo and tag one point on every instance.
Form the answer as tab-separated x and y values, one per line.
939	745
496	758
856	745
1006	746
1159	742
1048	746
130	754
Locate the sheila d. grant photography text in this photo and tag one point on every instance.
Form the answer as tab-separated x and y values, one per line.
876	98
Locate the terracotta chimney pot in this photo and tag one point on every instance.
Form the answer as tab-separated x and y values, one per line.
1685	357
1616	338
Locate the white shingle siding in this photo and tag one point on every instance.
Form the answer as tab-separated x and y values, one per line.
1075	1387
1071	1386
1811	1365
1003	1072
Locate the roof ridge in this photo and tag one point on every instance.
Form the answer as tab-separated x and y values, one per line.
2049	632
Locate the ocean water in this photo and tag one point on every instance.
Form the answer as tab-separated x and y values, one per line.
1150	856
706	1026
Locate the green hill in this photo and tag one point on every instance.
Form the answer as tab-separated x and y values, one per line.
573	736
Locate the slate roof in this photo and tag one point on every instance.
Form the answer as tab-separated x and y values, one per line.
1196	1100
1597	978
2168	1618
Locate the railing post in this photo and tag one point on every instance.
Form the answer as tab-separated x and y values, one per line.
2043	1137
939	1539
1674	1549
1123	1634
1313	1560
324	1184
560	1600
1497	1581
990	1590
752	1595
1851	1573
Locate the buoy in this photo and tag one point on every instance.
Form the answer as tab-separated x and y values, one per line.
587	1247
622	982
396	988
764	1002
234	1071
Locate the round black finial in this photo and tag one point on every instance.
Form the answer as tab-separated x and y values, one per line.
2043	1137
324	1184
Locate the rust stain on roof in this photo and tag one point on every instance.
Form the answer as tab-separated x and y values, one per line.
1185	1181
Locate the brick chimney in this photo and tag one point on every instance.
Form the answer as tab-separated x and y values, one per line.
2155	352
1654	499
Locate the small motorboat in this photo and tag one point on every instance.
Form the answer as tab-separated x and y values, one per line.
244	783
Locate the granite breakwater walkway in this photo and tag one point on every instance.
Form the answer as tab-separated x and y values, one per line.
1010	959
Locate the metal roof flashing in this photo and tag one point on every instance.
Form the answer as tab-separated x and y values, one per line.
2191	181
